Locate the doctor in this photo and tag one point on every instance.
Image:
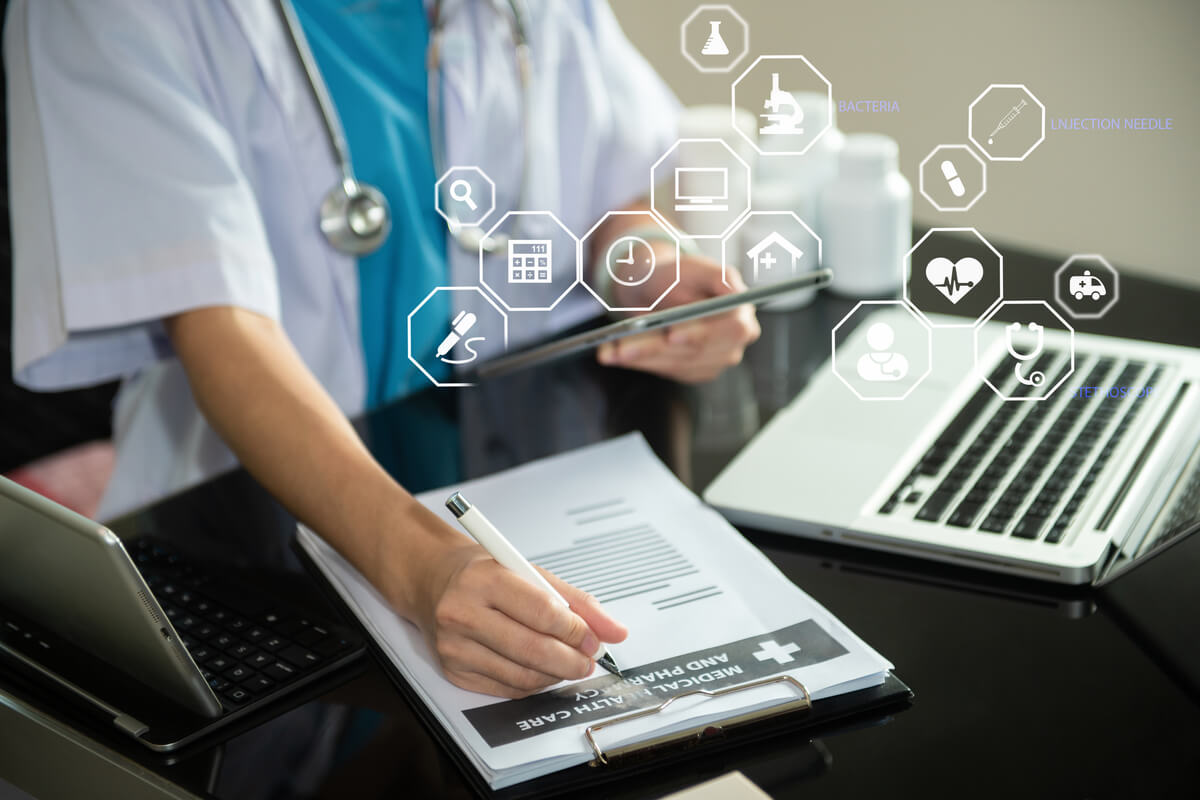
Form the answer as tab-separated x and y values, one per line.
167	164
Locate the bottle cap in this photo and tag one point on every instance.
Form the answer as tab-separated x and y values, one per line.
869	155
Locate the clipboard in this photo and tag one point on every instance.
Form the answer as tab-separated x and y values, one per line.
675	754
738	737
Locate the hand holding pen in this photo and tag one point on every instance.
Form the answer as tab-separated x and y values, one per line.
505	554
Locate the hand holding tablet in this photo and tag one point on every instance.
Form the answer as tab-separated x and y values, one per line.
561	348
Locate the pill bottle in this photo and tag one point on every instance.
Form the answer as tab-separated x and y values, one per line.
866	218
794	183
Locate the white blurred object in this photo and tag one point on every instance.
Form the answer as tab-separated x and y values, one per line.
713	122
794	183
773	196
866	218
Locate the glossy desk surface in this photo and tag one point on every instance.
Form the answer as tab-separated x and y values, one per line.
1021	690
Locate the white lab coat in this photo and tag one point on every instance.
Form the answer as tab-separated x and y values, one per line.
165	156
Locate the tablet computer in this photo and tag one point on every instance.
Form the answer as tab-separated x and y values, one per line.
561	348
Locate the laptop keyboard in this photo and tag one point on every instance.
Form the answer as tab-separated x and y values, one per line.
1026	471
246	646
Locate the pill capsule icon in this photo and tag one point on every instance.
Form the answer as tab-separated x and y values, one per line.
956	184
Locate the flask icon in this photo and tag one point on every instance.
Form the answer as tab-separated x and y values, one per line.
715	45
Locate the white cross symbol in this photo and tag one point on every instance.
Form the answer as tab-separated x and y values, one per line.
781	653
767	260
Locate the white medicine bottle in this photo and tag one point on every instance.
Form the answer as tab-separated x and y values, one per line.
866	218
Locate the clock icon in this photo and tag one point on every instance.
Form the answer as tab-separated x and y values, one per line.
630	261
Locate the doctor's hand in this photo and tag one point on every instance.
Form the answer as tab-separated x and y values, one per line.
494	632
690	352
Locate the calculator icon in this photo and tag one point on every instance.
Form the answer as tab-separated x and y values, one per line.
529	260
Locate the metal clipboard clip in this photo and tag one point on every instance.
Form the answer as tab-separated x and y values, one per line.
694	734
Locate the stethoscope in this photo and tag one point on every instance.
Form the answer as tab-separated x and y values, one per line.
354	216
1037	377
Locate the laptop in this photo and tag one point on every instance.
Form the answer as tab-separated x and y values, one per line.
164	649
1070	488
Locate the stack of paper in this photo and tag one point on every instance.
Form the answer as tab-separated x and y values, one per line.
704	608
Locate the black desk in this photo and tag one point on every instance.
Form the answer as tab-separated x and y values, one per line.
1021	690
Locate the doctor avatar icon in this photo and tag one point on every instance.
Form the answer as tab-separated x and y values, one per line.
881	364
882	350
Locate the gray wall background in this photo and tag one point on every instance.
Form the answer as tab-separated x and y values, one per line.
1128	195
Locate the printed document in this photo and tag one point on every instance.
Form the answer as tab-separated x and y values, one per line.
705	610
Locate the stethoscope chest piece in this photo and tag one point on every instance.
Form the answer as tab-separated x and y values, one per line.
355	217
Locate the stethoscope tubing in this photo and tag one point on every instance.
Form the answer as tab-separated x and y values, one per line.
354	216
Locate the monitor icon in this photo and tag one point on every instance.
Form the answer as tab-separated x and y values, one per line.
701	189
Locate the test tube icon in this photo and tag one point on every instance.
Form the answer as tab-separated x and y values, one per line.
956	184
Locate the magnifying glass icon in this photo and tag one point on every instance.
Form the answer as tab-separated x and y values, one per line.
460	190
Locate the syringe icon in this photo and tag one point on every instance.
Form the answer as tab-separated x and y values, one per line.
1008	118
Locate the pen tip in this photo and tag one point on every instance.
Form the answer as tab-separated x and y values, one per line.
607	662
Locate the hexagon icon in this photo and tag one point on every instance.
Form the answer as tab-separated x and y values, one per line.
1037	368
769	85
464	197
633	265
700	188
474	321
768	247
957	177
1006	122
714	38
958	274
882	355
537	266
1086	286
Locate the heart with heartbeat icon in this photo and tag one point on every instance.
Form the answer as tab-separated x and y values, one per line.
954	279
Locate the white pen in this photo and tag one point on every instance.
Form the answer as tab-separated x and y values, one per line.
501	549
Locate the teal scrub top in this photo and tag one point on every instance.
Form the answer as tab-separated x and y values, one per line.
372	57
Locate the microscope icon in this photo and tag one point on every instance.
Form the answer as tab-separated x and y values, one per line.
778	121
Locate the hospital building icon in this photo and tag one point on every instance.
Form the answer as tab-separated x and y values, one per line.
774	255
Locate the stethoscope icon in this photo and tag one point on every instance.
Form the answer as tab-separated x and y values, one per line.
1037	377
